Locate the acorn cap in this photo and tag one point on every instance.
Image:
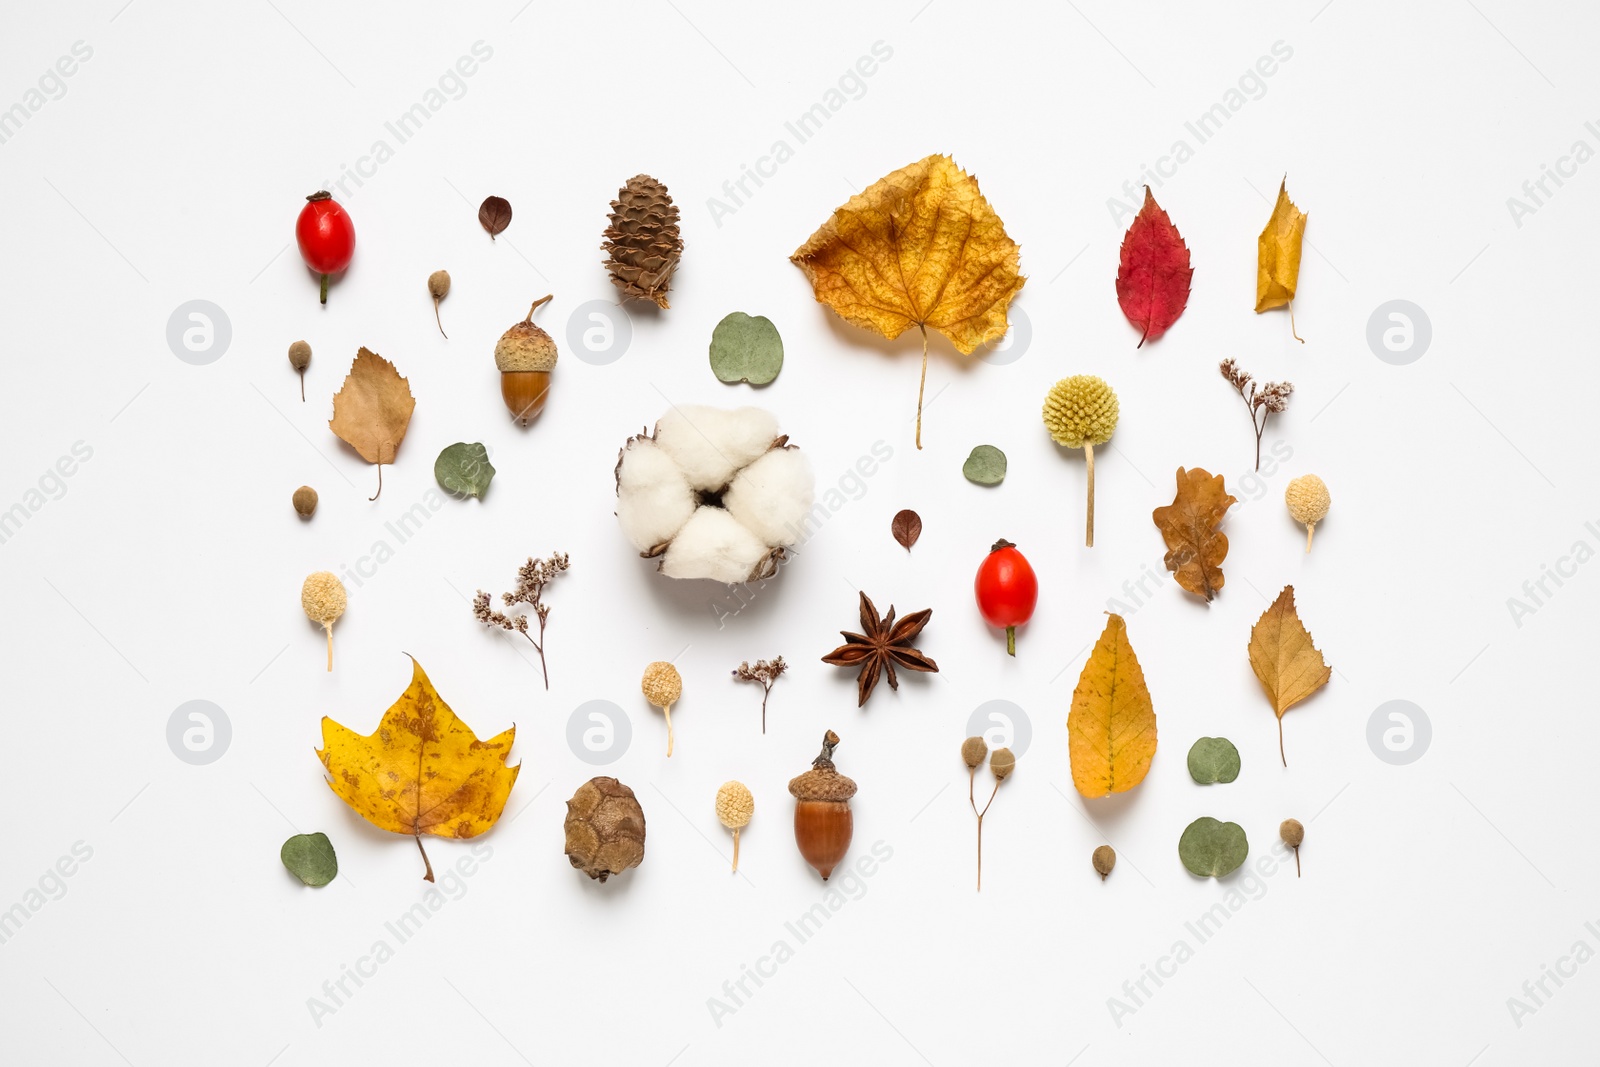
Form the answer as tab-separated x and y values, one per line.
525	347
823	781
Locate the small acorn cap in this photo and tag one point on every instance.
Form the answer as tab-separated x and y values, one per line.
305	501
662	684
735	805
439	284
525	347
823	781
299	355
1104	859
973	749
1002	763
1292	832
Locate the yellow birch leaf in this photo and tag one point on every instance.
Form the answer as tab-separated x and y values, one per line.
1111	729
422	771
1278	257
921	247
1287	664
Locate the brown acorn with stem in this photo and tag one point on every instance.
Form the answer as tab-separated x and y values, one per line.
823	825
525	355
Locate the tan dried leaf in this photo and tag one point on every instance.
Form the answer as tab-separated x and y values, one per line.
1285	661
1195	548
372	410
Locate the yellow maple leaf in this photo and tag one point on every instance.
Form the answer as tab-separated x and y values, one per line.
422	771
1278	257
1111	729
1287	664
921	247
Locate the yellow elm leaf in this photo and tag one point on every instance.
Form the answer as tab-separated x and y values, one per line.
1278	256
1287	664
422	771
1111	729
921	247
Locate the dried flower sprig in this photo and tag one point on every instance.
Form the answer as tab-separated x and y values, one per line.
532	577
766	673
1267	399
1001	763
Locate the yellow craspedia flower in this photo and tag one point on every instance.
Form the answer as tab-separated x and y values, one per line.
1081	410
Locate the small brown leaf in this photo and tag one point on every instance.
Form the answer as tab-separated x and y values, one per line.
907	528
1286	662
495	215
372	410
1195	549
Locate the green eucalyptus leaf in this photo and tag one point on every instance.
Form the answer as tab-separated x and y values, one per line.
1213	759
464	470
310	858
1212	849
746	348
986	465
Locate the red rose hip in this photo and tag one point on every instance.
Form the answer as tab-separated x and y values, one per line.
326	236
1006	590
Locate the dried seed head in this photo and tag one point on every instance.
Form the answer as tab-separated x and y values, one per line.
439	284
1081	410
973	749
305	501
735	805
1104	858
662	684
1308	499
323	597
1292	832
1002	763
299	355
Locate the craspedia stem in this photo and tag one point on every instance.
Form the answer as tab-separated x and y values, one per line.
667	711
736	852
328	626
1088	459
1310	528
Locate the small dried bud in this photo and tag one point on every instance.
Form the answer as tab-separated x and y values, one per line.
1104	858
1292	833
305	501
299	355
439	284
973	749
1002	763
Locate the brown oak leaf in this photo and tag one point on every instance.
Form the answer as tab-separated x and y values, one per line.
1195	547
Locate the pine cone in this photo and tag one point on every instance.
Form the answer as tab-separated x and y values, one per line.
642	242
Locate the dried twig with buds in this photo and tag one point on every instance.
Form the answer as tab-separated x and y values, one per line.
532	577
766	673
1267	399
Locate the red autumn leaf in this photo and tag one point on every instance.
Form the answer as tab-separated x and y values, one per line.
1153	279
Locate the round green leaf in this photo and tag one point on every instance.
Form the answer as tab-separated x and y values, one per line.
986	465
464	469
1213	759
1212	849
746	348
310	858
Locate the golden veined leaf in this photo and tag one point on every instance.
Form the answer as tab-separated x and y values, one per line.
422	771
1285	661
1278	253
921	247
1111	729
372	410
1195	547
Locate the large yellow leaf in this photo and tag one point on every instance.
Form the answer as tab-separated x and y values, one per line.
1111	729
921	247
1278	257
1288	665
422	771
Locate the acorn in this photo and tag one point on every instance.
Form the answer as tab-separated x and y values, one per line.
525	355
822	820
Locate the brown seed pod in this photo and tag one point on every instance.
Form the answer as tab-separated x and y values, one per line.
823	825
973	750
1293	833
439	288
305	501
525	355
1104	858
605	828
300	359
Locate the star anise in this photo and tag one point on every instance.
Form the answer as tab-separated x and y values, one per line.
884	644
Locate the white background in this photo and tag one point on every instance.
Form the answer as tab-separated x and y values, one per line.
172	169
